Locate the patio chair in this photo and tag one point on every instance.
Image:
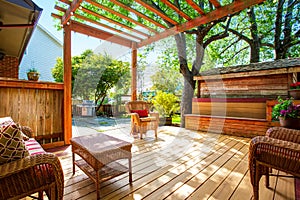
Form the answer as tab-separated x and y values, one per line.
37	172
142	119
278	149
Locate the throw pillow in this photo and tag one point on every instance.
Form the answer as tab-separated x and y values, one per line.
12	146
141	113
5	121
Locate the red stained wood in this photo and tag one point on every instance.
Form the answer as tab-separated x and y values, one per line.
156	11
67	110
195	6
223	11
121	15
134	73
215	3
175	8
91	31
230	100
138	14
74	5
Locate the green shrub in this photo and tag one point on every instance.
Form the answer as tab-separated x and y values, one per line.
166	104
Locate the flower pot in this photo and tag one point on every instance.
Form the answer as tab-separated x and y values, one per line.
295	93
33	76
293	123
165	121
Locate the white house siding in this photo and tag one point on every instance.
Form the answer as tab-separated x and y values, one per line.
41	53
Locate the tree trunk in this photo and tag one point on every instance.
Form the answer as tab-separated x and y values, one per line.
278	23
186	99
255	42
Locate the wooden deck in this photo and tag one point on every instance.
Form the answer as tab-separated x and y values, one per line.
180	164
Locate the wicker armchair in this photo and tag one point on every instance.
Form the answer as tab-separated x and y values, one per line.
279	149
35	173
142	122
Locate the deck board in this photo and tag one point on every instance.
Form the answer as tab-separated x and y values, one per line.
180	164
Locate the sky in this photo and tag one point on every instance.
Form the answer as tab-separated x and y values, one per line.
79	42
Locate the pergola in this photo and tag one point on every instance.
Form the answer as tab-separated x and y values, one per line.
136	29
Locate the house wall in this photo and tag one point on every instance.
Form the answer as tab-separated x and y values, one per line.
41	53
9	67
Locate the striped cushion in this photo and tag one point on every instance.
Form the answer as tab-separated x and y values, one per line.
34	147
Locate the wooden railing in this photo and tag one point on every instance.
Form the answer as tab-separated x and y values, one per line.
38	105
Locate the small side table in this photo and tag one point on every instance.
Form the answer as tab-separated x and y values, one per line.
99	153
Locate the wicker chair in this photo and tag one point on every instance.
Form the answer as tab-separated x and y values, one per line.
279	149
142	123
33	174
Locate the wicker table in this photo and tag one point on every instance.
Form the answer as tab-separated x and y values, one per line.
100	155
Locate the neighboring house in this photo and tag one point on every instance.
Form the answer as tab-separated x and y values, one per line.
41	53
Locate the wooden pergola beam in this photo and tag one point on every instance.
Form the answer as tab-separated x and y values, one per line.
103	35
74	5
223	11
215	3
96	23
156	11
114	22
195	6
121	15
107	19
67	85
176	9
138	13
134	72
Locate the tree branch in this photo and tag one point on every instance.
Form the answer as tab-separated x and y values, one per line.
246	47
230	45
218	36
240	35
295	42
267	45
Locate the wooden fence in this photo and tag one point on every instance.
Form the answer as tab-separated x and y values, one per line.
38	105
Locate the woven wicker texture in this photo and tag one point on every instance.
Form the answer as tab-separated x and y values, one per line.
37	173
142	125
279	149
100	149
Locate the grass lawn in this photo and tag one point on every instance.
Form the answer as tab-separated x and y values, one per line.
176	119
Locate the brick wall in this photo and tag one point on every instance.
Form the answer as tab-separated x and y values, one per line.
9	67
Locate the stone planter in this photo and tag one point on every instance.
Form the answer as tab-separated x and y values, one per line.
293	123
33	76
295	93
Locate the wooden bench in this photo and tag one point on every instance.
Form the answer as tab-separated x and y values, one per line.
245	117
238	126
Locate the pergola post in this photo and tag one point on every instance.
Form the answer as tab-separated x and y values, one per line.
134	72
67	85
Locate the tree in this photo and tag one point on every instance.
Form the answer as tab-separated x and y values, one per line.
97	75
265	32
204	34
287	29
58	70
167	77
167	80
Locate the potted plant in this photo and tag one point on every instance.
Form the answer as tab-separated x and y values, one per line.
287	113
33	74
166	104
295	90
